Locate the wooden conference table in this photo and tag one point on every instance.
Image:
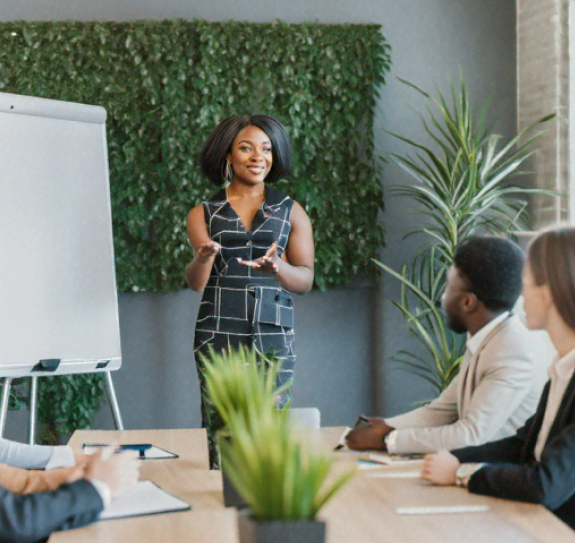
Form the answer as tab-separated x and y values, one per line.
364	512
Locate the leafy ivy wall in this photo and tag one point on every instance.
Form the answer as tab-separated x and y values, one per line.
166	84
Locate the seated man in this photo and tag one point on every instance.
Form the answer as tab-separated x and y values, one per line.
501	375
537	464
34	517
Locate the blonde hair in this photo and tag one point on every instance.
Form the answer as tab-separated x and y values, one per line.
551	258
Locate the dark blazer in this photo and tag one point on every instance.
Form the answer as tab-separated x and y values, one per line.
514	474
34	517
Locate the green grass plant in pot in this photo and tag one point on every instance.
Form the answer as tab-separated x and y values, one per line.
463	183
282	478
239	382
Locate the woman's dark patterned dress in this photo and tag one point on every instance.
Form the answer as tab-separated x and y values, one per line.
241	306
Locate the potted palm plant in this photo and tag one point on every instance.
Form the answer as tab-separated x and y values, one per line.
463	183
239	382
283	480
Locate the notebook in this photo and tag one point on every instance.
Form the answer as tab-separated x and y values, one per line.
146	498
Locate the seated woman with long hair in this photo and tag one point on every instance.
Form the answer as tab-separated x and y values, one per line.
537	464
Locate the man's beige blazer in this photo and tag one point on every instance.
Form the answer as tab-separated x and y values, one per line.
495	392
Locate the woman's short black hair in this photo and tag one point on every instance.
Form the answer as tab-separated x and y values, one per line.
493	267
219	143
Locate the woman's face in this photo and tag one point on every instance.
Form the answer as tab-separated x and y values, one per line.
537	301
251	155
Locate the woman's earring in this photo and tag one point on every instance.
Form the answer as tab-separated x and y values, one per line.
229	172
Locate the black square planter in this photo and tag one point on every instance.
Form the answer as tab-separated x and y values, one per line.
279	531
231	496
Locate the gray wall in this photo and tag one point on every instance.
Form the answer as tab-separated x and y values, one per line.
343	336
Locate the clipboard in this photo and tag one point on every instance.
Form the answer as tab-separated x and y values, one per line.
145	450
146	498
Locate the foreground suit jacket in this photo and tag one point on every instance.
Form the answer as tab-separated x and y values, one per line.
25	519
496	390
516	475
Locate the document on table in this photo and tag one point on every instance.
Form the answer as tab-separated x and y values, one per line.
151	453
146	498
342	442
155	453
392	459
435	509
396	474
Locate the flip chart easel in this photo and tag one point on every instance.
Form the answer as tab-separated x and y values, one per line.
58	298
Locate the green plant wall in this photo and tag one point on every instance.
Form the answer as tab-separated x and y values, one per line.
165	85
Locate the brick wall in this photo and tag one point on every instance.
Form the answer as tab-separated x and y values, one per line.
543	88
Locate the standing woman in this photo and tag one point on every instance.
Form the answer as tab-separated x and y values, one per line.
253	247
538	463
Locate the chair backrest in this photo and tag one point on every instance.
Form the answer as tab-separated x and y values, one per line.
306	417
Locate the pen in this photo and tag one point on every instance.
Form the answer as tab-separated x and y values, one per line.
341	444
361	418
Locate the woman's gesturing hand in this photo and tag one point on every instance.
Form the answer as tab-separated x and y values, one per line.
208	250
267	263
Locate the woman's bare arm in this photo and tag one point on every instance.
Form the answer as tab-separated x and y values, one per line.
199	269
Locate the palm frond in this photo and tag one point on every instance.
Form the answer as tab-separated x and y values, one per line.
463	190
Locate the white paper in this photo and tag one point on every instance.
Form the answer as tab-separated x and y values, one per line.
365	465
155	453
342	443
391	459
442	509
396	474
144	499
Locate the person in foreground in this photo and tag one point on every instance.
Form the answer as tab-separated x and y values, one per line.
22	455
502	372
537	464
25	469
33	517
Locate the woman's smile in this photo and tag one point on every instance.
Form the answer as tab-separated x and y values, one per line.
251	155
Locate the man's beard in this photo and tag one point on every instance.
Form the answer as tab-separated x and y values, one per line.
455	324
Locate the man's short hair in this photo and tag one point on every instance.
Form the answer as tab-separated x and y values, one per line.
493	266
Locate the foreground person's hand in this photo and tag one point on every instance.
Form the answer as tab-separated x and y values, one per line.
440	468
119	471
368	433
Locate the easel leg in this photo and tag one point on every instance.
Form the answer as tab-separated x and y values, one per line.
33	409
4	409
113	401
